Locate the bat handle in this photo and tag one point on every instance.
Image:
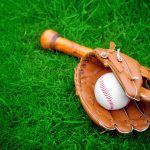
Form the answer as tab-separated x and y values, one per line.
51	40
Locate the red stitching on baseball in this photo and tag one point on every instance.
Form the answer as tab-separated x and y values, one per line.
106	93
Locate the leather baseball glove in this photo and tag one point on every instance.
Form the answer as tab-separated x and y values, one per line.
134	79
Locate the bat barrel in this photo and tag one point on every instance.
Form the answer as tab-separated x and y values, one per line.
51	40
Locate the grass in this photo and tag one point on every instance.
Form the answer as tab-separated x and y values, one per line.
38	106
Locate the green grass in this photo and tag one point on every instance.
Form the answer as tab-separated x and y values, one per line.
38	106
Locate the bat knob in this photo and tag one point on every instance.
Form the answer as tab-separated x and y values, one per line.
48	39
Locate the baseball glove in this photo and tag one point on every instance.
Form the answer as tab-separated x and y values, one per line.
134	79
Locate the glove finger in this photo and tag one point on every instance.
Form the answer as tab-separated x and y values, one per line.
137	118
121	121
103	116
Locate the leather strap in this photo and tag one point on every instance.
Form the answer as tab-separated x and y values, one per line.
145	94
145	72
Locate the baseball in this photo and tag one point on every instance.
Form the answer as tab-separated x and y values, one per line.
109	93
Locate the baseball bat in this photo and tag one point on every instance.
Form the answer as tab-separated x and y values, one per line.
51	40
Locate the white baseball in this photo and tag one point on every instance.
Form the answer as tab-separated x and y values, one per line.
109	93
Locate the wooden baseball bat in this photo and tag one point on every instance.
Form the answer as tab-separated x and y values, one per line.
51	40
